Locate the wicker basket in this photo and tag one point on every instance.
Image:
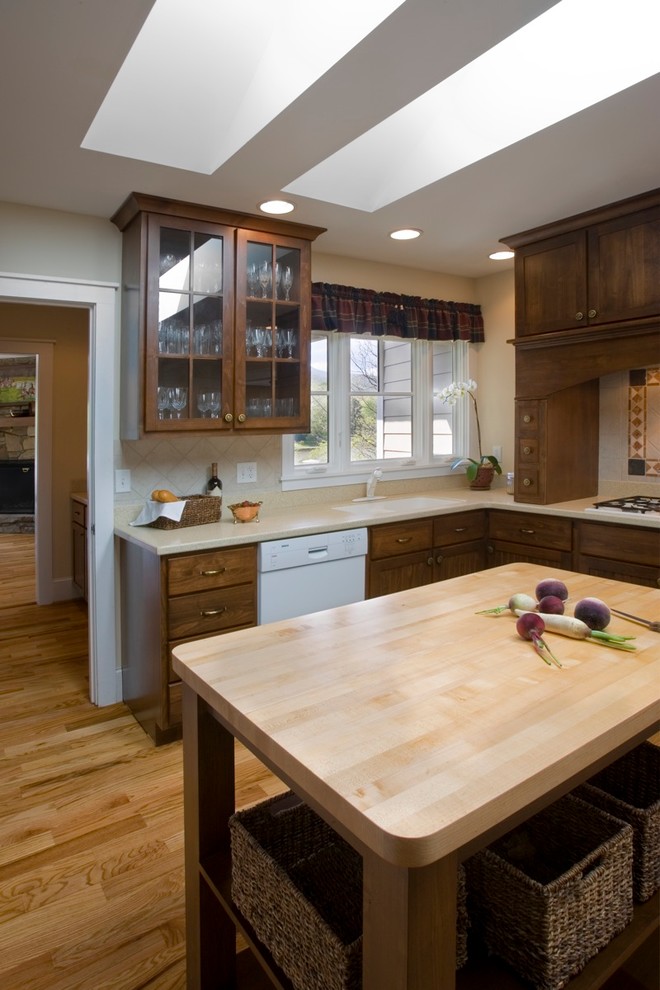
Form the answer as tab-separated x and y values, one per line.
550	894
299	885
629	789
198	510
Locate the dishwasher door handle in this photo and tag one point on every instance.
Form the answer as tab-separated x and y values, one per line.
316	553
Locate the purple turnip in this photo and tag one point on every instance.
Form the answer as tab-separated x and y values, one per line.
530	626
593	612
551	605
550	586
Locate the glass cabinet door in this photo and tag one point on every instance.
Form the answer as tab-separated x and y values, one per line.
272	332
188	355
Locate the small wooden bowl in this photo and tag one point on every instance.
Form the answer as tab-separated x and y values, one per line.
245	513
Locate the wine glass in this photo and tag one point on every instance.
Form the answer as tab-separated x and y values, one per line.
252	279
264	278
214	404
164	400
179	400
204	403
287	281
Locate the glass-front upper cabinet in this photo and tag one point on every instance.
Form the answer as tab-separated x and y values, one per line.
216	320
189	326
272	332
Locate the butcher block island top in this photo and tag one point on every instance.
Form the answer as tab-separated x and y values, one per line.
421	731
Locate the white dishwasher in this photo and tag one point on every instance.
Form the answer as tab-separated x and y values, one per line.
310	573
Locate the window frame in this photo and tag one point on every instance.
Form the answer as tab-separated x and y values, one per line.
423	463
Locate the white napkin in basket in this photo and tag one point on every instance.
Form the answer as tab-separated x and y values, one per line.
153	510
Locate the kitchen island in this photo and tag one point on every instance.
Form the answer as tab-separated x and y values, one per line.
420	732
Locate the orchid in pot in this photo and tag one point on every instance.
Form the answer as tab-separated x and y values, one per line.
450	395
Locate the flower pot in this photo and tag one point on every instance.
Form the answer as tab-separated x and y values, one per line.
484	477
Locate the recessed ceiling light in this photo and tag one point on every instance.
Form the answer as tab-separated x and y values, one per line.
276	206
501	255
406	234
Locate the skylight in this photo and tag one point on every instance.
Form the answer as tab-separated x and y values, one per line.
203	77
574	55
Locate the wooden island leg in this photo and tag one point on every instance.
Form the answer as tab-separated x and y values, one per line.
409	925
208	791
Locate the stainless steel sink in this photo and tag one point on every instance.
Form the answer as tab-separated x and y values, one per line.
385	506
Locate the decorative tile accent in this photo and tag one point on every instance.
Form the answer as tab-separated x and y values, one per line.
644	422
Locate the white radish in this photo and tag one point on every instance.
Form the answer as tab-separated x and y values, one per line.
568	625
517	601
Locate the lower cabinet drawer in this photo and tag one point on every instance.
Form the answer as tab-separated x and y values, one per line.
211	611
459	527
395	538
531	529
635	546
211	569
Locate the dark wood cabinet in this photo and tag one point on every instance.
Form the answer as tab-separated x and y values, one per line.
459	544
605	272
169	600
556	457
529	538
587	304
216	317
410	554
623	553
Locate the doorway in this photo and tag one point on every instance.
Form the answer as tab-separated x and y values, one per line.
99	301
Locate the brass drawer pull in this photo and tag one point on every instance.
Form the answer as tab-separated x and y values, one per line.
220	570
206	612
403	539
460	529
527	450
529	532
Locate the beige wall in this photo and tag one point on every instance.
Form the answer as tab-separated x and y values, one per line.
68	328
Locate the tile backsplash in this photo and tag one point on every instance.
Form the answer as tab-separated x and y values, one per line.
644	423
630	428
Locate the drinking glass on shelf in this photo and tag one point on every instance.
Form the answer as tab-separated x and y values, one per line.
287	281
214	404
179	400
216	337
204	403
265	275
164	400
252	279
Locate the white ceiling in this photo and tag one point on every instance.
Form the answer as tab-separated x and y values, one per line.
57	61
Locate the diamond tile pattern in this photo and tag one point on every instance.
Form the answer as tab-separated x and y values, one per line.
644	419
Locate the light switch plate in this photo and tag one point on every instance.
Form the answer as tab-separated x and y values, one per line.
122	481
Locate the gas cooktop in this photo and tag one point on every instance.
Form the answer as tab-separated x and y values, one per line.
632	503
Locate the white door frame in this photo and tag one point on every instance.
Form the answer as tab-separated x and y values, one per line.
100	298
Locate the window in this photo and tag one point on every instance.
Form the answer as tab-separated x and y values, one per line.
373	405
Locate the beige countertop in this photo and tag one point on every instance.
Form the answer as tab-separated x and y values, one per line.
282	523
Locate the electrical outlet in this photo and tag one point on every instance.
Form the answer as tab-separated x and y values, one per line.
246	472
122	481
497	451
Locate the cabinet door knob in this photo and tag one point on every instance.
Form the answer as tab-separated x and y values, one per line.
229	418
592	313
206	612
429	561
527	450
241	417
439	559
527	482
403	539
527	418
579	316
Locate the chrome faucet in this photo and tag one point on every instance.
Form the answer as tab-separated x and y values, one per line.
371	484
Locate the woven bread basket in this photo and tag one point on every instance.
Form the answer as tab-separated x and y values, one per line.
198	510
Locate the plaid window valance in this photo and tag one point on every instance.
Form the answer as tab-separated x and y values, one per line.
349	310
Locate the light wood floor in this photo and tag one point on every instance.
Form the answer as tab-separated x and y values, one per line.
91	822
